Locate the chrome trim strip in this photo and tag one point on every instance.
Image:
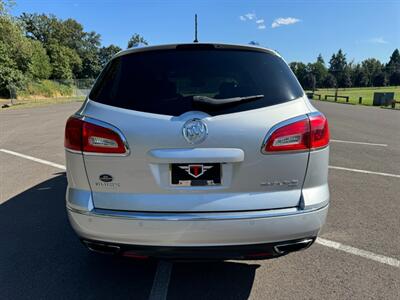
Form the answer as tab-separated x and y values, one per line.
196	155
305	241
219	216
105	125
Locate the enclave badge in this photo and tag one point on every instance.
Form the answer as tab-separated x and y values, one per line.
106	178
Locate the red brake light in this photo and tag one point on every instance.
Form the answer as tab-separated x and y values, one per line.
310	132
88	137
319	131
73	134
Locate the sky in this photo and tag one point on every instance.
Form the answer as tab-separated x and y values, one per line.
299	29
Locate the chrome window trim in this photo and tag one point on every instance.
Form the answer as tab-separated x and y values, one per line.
200	216
105	125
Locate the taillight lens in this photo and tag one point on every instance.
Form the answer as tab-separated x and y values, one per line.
319	131
92	138
310	132
73	134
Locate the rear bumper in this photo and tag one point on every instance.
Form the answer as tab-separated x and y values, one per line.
197	230
248	252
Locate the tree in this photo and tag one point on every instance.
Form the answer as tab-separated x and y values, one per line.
372	68
319	70
395	78
106	53
40	67
10	76
337	65
254	43
392	68
346	76
21	59
359	76
136	40
5	6
300	70
330	81
309	82
380	79
89	54
320	59
56	34
65	62
39	27
20	50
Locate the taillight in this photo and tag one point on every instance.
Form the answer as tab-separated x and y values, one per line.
93	137
319	131
300	134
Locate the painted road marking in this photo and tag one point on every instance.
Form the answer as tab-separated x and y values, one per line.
159	290
359	143
359	252
364	171
38	160
161	281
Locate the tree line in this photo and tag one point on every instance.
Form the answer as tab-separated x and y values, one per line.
343	74
41	46
35	47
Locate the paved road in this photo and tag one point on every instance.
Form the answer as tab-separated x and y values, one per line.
40	256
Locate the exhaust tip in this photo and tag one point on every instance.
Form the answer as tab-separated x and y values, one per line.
292	247
101	247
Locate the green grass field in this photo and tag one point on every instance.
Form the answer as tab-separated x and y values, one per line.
366	93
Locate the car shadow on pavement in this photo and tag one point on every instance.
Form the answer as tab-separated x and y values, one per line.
212	280
42	258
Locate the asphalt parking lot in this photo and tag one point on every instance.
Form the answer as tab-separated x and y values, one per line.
358	256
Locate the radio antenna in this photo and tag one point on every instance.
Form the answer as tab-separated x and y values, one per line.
195	29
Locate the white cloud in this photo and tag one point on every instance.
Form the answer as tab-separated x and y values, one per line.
250	16
253	18
378	40
284	21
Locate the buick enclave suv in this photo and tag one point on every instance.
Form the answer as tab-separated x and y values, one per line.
197	151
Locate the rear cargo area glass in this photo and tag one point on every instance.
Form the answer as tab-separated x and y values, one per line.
165	81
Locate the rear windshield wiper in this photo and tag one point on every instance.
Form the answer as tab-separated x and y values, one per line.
214	101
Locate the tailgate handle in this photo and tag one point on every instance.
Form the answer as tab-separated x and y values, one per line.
197	155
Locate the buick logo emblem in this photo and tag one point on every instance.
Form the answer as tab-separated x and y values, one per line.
194	131
106	178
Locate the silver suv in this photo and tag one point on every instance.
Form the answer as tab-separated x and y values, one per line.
197	151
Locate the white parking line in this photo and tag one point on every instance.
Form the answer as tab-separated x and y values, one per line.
359	252
161	281
159	290
359	143
364	171
38	160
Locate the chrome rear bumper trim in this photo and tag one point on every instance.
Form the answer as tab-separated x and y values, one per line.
202	216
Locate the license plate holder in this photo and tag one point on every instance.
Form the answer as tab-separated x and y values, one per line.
195	174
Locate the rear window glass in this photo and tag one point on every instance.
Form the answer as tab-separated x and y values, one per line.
167	81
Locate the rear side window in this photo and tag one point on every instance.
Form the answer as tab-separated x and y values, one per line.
167	81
